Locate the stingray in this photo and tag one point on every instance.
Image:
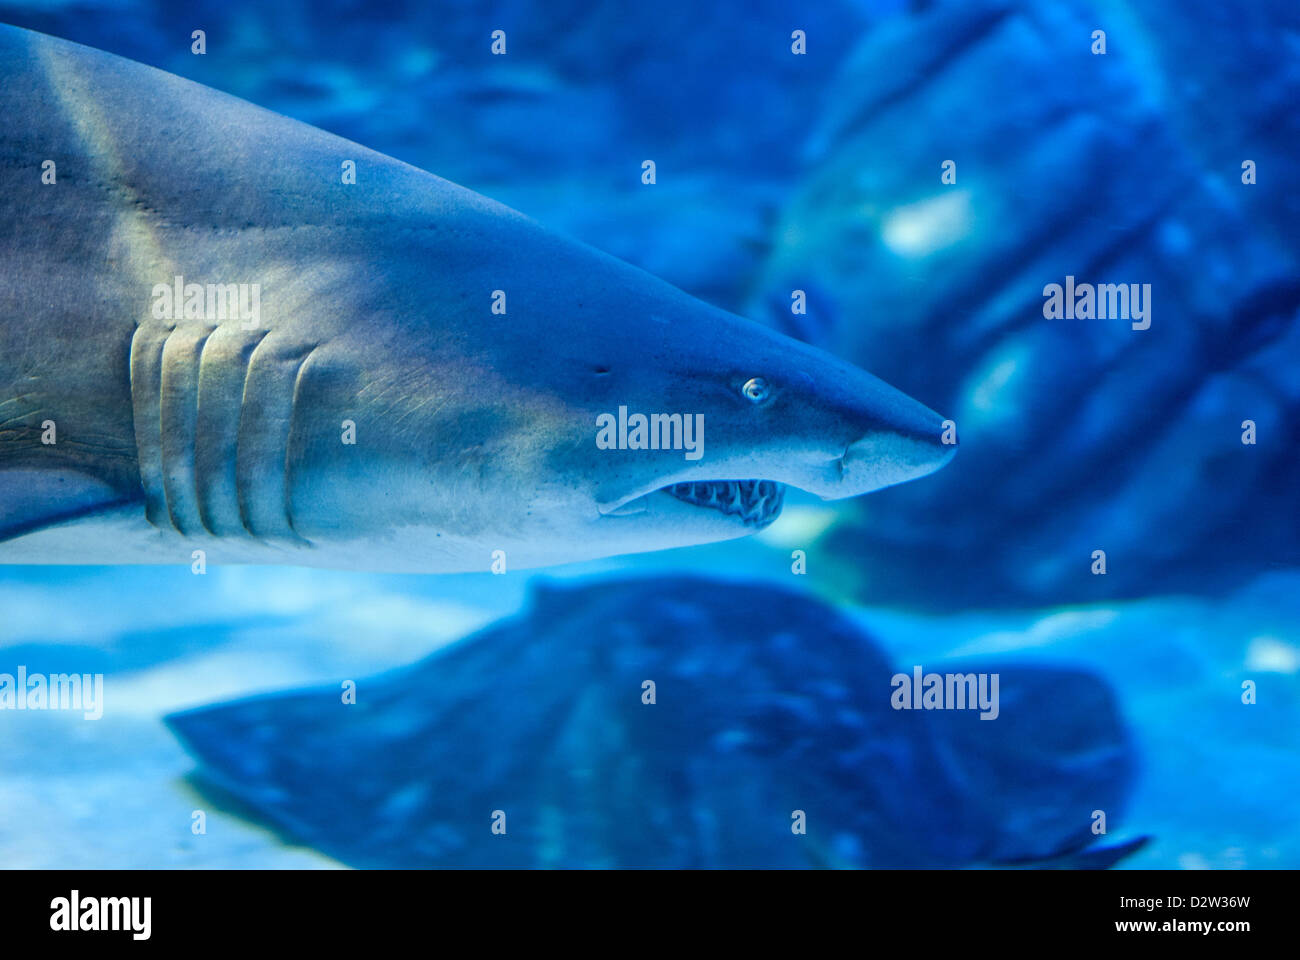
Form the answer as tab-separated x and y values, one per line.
677	722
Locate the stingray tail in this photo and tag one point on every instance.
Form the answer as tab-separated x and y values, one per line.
1091	858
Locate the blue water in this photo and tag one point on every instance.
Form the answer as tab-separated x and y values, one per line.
821	172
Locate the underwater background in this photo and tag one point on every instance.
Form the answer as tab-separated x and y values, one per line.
1123	692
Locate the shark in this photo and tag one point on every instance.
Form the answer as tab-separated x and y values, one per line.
223	330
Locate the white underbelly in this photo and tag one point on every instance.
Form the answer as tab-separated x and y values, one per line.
124	536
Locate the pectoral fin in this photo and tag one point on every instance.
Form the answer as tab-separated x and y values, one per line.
31	499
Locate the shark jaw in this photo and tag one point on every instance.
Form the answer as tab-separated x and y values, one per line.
755	504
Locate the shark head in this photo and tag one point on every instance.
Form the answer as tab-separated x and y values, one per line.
759	412
603	412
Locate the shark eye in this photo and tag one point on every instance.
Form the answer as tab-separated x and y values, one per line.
755	389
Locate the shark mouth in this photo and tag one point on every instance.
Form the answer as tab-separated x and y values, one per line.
756	502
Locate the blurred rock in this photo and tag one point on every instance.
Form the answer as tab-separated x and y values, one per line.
1084	434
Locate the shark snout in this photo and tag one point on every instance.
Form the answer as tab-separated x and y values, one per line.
900	440
884	459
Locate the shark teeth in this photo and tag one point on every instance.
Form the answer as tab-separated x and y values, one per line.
756	502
